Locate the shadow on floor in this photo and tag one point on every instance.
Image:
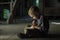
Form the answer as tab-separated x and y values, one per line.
41	36
53	36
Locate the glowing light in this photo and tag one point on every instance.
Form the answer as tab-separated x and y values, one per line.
57	23
5	13
37	2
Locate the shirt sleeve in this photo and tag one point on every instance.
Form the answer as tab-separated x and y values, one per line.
40	21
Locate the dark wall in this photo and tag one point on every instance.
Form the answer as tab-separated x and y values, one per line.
49	3
22	7
5	0
1	10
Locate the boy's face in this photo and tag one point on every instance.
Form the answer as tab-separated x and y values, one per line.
36	15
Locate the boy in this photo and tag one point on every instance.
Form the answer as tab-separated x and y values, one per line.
37	19
37	25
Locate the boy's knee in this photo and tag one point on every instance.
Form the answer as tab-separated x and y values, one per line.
28	25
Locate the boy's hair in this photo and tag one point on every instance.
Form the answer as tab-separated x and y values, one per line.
33	9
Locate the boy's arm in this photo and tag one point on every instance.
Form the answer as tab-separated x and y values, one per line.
41	21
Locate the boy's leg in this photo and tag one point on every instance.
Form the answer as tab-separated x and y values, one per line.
25	34
28	25
25	29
